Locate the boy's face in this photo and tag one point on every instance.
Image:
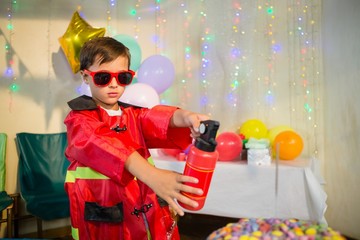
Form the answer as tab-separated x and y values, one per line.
108	96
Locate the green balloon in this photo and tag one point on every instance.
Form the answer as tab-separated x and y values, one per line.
135	50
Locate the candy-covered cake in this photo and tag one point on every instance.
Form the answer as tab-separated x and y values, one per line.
271	228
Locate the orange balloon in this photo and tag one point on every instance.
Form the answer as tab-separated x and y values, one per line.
290	145
273	132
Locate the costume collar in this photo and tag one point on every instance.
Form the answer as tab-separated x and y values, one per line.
87	103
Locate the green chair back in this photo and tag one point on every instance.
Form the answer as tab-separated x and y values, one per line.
5	199
42	170
3	141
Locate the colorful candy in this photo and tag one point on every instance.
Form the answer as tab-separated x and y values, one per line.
273	228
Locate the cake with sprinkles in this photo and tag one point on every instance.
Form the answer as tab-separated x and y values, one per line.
273	228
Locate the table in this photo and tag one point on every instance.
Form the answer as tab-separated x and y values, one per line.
289	189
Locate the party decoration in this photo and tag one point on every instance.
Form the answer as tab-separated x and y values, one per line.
77	33
135	50
273	132
229	146
290	145
253	128
140	94
258	152
157	71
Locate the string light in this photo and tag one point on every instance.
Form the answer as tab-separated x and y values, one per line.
305	78
235	55
9	72
110	12
274	49
160	22
187	54
134	12
205	60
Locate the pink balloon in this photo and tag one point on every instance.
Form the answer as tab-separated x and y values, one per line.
157	71
140	94
229	146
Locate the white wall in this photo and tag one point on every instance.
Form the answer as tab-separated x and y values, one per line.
341	49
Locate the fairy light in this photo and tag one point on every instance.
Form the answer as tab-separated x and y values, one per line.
187	54
267	58
236	57
205	60
305	78
274	48
9	72
110	12
134	12
160	22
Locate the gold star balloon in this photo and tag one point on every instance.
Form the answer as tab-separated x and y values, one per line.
77	33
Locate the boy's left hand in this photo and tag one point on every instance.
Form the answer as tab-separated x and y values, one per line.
195	120
184	118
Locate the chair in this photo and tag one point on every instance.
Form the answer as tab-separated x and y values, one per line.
6	201
42	170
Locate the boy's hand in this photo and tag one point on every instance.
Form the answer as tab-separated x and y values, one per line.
168	185
183	118
195	120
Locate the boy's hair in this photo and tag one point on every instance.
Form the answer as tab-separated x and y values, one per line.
103	49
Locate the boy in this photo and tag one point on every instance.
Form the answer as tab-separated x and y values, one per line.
114	192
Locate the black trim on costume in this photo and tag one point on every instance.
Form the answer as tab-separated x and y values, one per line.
95	212
87	103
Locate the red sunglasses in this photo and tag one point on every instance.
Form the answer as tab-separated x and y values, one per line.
103	78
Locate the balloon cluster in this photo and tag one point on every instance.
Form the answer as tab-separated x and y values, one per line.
284	141
154	75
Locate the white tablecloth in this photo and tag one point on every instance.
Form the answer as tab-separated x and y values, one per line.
239	190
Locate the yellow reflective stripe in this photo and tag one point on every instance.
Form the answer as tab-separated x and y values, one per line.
83	173
151	161
70	177
88	173
148	234
75	233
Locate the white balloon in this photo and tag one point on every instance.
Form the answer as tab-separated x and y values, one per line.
84	89
140	94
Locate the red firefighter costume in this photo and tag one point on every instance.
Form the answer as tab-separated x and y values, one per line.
106	201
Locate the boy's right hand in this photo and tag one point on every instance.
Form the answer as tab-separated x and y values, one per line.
168	185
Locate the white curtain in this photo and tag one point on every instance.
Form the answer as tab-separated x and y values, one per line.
242	59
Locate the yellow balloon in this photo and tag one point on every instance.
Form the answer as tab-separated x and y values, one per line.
77	33
253	128
273	132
